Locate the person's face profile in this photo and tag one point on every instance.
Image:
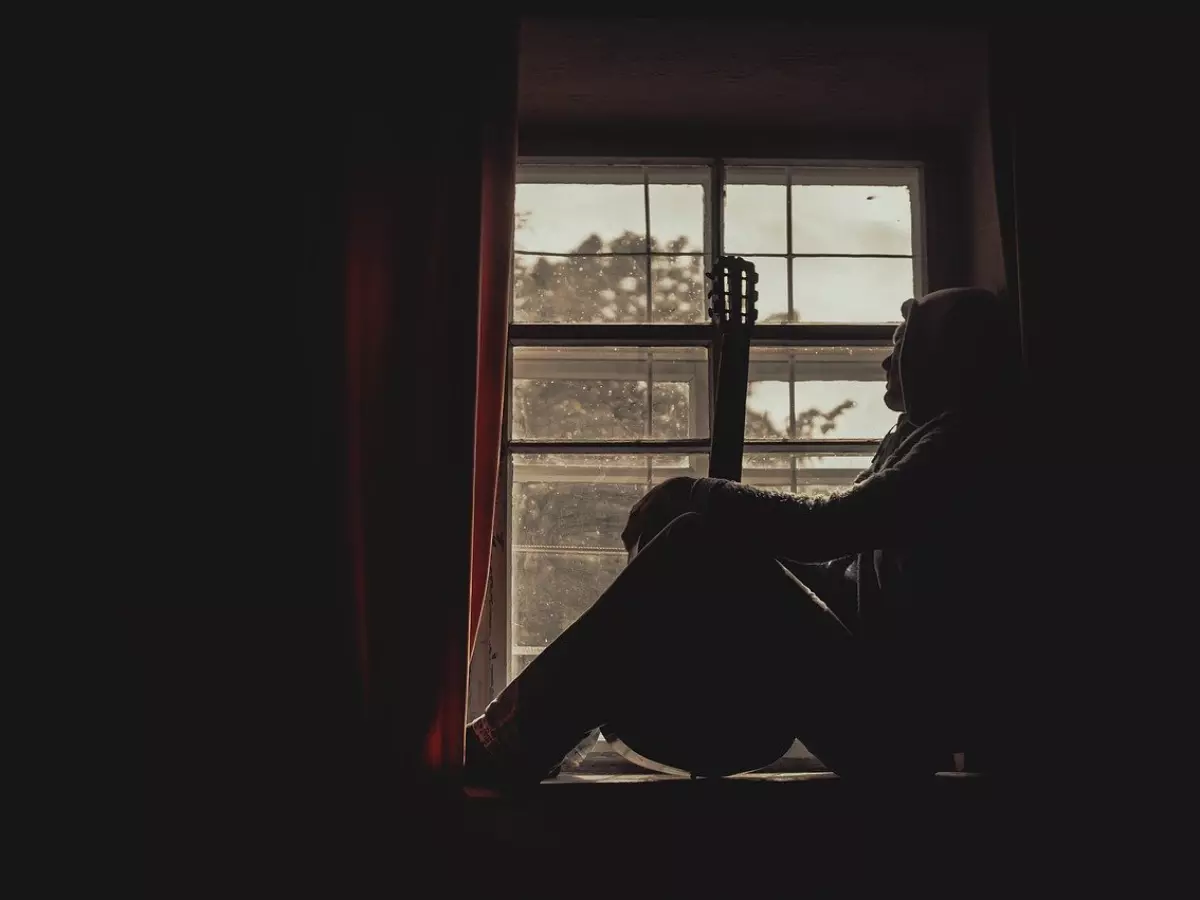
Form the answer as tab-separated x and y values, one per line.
893	396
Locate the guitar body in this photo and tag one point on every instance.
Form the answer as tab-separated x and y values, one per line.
718	742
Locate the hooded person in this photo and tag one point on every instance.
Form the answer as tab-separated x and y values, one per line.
888	594
918	554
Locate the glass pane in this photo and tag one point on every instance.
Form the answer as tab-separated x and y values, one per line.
603	393
802	473
677	218
817	392
768	411
772	289
841	409
555	587
850	290
679	289
755	218
851	218
566	537
580	218
579	289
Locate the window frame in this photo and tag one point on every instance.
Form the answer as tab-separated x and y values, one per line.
496	632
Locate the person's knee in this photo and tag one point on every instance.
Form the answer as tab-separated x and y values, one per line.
684	531
689	523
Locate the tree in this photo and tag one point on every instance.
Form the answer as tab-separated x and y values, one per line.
555	587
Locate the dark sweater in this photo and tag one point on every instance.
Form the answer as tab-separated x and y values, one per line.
904	531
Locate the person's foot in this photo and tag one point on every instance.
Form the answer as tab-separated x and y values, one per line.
482	769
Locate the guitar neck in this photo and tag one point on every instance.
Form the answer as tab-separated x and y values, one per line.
729	412
733	311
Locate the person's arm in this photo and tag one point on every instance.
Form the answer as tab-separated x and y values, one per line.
654	511
917	498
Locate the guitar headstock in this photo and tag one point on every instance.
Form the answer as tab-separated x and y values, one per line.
733	294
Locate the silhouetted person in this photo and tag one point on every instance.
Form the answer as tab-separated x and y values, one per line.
869	624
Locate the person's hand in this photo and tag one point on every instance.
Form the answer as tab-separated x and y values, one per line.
658	508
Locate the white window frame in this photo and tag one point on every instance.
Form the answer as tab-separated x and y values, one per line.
496	636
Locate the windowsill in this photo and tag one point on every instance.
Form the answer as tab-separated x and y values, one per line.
605	766
751	783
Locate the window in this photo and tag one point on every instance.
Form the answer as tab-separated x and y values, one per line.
610	367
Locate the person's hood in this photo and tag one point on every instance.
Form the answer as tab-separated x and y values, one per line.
960	352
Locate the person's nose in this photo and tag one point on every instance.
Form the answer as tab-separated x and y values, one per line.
887	363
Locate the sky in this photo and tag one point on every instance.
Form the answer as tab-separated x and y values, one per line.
869	418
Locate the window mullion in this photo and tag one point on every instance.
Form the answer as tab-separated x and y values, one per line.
791	302
506	624
791	382
649	266
649	395
792	395
649	426
716	211
717	208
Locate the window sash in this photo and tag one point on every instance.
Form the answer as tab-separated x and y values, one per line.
714	174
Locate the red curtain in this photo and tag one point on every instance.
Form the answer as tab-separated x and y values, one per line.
430	209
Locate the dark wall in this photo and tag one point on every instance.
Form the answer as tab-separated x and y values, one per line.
1098	261
252	703
746	72
260	777
986	252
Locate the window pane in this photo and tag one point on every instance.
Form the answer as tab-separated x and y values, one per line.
579	289
677	218
553	588
817	392
755	218
850	290
802	473
581	218
851	218
772	289
768	411
841	409
566	536
603	393
679	289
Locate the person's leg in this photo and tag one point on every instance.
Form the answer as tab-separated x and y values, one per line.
756	646
867	720
701	629
871	720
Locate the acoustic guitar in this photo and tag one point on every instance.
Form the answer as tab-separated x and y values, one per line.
663	745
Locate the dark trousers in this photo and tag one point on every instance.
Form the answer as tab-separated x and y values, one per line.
710	652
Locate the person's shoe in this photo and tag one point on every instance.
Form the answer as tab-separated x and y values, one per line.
483	771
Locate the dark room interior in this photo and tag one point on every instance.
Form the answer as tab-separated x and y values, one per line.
345	605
